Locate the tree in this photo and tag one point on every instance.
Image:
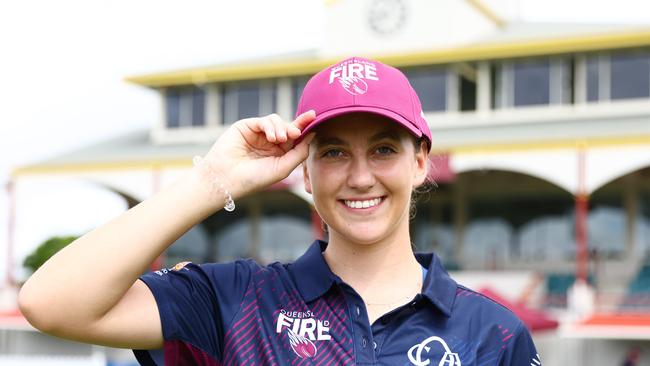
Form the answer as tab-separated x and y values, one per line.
46	250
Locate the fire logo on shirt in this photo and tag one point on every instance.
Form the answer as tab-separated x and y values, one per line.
302	346
302	329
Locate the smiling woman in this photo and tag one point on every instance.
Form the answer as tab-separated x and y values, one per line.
362	182
361	297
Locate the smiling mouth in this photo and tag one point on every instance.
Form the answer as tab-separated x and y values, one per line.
363	203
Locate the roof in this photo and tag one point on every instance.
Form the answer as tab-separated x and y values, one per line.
132	150
511	41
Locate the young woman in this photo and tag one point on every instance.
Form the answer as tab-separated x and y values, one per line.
362	297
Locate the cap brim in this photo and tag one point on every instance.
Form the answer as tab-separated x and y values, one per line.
325	116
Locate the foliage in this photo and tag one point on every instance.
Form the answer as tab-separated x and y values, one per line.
46	250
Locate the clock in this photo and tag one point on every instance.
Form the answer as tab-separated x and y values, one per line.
387	17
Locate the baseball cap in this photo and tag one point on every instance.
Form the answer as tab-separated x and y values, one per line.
357	84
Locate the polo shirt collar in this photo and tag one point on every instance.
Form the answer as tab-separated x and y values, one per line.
311	273
314	278
439	288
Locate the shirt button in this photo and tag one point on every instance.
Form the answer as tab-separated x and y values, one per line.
374	345
364	342
358	310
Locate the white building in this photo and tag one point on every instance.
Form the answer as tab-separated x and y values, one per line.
541	138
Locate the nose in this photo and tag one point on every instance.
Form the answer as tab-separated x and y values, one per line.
360	174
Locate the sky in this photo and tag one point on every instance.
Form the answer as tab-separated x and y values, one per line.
64	62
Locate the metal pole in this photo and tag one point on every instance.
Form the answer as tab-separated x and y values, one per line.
582	212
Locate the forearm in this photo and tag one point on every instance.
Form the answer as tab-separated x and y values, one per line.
88	277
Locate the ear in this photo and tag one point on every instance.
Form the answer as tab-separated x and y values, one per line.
421	165
305	177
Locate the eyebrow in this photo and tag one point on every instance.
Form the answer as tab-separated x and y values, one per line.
386	134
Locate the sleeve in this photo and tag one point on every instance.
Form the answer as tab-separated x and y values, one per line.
521	351
196	304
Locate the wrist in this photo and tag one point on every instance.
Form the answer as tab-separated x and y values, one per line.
213	183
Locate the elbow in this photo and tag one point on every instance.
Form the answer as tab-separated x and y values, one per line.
33	310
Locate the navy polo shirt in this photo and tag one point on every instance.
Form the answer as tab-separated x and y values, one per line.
241	313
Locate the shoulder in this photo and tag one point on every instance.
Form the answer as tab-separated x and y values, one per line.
495	326
242	269
485	309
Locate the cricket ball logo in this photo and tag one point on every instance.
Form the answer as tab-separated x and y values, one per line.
352	75
303	330
302	346
354	85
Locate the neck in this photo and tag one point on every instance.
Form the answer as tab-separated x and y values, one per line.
374	268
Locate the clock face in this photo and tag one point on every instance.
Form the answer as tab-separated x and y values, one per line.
387	16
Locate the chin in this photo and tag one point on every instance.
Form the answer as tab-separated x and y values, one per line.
361	235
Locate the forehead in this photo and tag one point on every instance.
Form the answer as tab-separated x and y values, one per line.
366	126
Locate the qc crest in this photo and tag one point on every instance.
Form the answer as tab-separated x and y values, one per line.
420	355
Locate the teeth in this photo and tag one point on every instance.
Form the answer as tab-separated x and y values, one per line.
363	204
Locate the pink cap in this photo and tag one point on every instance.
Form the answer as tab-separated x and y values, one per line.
357	84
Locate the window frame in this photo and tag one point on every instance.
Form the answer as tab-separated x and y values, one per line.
561	89
452	102
186	99
604	87
229	102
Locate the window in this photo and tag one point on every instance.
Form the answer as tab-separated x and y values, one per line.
463	77
431	86
618	76
297	86
630	75
185	106
467	94
247	99
592	79
198	107
173	106
532	82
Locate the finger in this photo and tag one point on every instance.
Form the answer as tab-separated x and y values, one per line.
289	161
280	127
266	125
304	119
292	131
260	125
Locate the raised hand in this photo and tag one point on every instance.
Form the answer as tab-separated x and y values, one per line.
257	152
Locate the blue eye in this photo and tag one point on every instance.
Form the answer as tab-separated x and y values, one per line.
332	153
385	150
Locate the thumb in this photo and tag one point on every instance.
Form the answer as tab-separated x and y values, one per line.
289	161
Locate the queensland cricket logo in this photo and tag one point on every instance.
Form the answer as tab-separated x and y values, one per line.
352	75
302	330
417	357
